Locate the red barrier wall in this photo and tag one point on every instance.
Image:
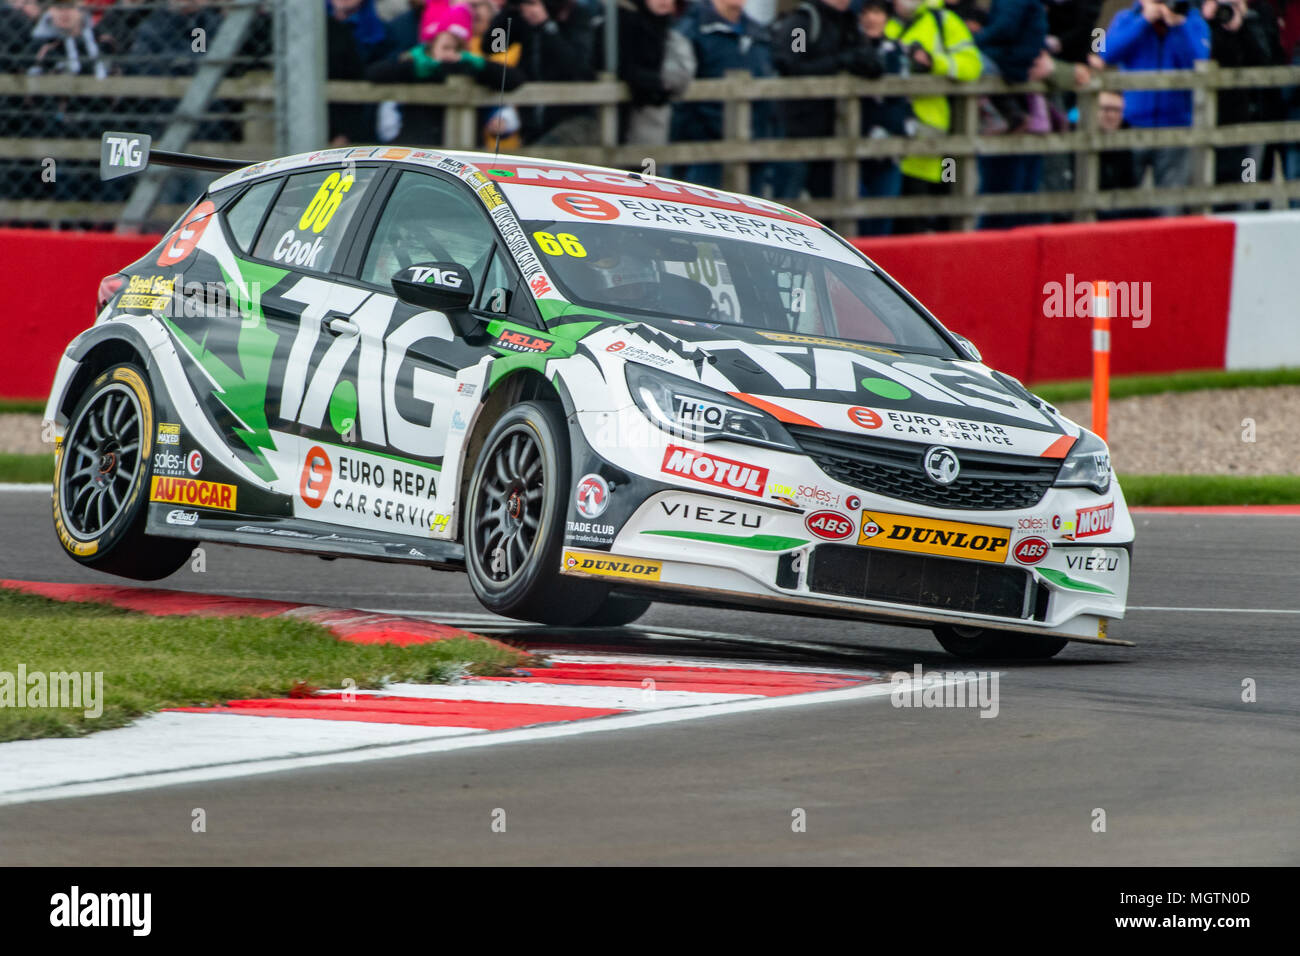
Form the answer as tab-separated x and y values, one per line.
987	285
990	286
49	296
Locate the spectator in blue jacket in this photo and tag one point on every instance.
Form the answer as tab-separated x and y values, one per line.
1011	40
1150	36
881	116
723	38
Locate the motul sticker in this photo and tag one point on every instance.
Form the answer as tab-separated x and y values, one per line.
712	470
1091	521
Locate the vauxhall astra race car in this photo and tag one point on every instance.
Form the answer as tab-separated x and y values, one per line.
587	388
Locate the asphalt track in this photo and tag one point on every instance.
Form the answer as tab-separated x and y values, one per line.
1157	736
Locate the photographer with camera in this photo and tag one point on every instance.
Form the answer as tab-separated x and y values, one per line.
557	41
818	38
1159	35
1242	36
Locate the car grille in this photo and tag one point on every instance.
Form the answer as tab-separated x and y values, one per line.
943	583
988	481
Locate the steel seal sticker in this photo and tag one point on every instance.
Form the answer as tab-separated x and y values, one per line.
954	539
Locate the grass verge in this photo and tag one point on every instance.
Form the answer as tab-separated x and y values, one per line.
28	406
149	663
26	468
1186	490
1127	386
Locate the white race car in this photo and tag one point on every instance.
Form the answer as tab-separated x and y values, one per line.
588	388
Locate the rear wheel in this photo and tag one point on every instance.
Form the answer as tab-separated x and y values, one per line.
514	525
101	481
981	642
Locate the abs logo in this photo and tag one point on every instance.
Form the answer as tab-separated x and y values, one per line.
587	207
591	497
194	462
829	524
317	472
1031	550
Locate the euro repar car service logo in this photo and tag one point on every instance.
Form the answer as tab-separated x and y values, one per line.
612	566
954	539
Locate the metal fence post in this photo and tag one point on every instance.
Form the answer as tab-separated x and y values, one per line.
299	60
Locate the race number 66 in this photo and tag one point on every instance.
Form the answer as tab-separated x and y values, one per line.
325	203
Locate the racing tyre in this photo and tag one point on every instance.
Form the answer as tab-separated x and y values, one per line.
514	525
617	611
979	642
101	481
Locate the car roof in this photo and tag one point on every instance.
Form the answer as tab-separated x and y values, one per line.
465	164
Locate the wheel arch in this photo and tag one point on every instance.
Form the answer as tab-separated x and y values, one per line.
523	385
97	353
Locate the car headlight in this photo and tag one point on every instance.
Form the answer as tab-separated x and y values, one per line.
689	410
1087	466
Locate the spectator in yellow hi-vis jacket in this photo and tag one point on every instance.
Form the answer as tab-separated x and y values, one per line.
935	41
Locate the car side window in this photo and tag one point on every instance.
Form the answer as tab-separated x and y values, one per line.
428	220
245	215
308	225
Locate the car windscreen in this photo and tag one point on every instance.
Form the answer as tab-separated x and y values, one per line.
654	272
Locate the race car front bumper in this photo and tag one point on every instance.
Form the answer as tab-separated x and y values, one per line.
838	551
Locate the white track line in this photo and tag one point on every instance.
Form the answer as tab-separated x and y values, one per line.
562	695
16	486
170	742
462	741
1219	610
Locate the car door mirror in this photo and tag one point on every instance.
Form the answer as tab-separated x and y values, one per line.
968	347
446	286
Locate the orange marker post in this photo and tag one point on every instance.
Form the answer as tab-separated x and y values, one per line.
1100	357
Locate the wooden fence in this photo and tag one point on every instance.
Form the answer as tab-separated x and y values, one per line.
254	95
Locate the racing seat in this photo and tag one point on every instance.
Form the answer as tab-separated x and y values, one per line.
685	297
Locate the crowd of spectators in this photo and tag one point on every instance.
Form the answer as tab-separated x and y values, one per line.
663	45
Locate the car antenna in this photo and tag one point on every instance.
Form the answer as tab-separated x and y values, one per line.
501	100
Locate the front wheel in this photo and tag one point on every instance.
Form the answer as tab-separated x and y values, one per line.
101	481
514	524
980	642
